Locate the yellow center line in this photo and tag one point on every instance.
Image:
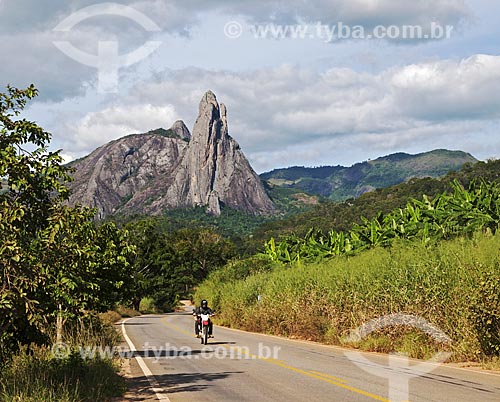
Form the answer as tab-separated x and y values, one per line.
327	376
322	378
313	374
178	329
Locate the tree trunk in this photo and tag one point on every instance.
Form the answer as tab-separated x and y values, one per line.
59	324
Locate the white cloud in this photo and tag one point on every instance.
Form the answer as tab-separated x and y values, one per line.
289	114
26	30
27	36
178	15
346	150
363	12
44	15
449	89
97	128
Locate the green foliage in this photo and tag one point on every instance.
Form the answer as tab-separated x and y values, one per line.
234	225
290	201
452	284
53	260
328	216
443	217
167	265
84	267
341	183
148	306
487	313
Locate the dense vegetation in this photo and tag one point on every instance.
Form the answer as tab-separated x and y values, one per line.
339	183
168	263
443	217
328	216
300	211
57	267
452	284
436	258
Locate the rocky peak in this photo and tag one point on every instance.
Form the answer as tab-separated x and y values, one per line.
208	118
166	171
180	130
214	172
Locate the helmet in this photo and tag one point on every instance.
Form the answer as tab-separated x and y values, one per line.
204	303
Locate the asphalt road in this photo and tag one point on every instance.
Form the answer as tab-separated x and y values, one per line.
241	366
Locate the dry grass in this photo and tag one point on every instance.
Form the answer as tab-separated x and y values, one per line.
34	374
454	285
127	311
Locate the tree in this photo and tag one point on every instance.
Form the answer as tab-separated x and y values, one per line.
167	265
85	267
146	237
53	260
32	180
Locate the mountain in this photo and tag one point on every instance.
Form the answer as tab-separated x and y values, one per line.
341	216
340	183
168	169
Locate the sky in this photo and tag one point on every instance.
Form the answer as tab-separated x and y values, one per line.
307	83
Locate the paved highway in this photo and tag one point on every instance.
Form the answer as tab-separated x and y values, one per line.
241	366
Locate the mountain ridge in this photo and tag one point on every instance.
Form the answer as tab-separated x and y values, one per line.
166	169
340	183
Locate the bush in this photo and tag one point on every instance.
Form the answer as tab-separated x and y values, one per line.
110	317
148	306
124	311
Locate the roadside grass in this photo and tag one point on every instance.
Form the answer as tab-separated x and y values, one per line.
492	364
454	285
148	306
34	374
412	343
125	311
110	317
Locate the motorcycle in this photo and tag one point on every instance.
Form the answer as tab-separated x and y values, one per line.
203	321
205	325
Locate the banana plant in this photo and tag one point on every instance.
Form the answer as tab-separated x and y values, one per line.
464	211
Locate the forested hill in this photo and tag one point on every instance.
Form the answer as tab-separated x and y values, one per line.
340	183
341	216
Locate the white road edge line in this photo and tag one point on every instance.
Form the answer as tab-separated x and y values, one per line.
159	392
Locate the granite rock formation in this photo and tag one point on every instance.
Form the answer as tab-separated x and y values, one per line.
166	169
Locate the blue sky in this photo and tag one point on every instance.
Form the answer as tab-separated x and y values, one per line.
290	101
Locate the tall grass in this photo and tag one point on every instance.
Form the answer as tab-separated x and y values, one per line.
455	285
34	374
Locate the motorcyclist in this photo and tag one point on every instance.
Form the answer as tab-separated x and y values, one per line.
203	309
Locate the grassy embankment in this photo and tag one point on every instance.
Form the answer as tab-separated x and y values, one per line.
34	374
454	285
